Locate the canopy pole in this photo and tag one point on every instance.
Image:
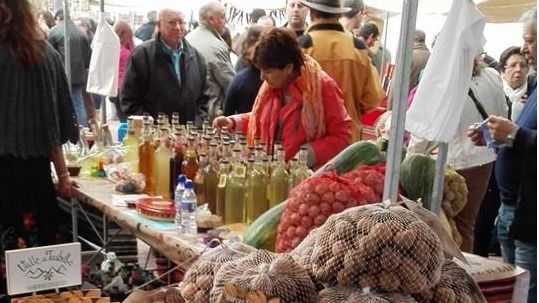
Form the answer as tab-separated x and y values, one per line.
104	100
67	45
384	49
400	94
438	187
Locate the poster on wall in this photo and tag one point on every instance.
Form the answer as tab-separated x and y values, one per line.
43	268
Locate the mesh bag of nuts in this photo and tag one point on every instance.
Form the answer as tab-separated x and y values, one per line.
383	248
198	281
340	294
263	277
455	286
165	295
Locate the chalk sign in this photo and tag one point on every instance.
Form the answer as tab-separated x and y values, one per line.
43	268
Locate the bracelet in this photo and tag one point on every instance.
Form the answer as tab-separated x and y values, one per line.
64	175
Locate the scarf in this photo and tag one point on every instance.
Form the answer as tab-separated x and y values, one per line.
516	98
312	113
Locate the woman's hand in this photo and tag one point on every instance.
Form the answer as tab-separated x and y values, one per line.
222	121
475	135
66	186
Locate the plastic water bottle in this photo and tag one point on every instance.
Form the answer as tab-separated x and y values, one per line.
189	205
178	193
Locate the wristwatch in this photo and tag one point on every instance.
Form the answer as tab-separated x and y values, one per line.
510	139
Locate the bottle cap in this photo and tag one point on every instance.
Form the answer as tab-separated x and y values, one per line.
182	179
188	184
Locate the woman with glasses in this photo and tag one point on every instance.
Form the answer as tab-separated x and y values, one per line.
514	70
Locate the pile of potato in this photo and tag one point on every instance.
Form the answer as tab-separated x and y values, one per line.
263	277
388	250
339	294
455	286
198	281
165	295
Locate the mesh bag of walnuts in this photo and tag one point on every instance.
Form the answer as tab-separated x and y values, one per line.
340	294
165	295
263	277
455	286
386	249
198	281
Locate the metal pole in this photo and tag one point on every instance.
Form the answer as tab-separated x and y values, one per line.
400	94
438	187
386	28
104	100
74	222
67	45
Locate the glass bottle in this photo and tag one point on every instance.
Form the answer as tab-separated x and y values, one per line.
224	167
147	159
190	162
278	185
176	161
199	180
130	144
255	194
301	171
235	191
211	178
162	168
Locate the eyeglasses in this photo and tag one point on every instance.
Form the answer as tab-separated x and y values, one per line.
176	22
522	65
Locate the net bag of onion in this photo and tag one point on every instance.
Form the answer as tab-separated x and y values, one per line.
198	281
313	201
340	294
455	286
384	249
263	277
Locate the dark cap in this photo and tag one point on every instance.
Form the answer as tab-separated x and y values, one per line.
326	6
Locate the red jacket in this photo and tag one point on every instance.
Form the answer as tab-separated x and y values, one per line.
293	135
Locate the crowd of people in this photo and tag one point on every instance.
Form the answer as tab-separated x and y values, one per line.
304	84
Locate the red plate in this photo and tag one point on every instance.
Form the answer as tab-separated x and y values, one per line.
156	209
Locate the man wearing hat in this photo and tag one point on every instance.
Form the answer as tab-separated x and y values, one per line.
343	57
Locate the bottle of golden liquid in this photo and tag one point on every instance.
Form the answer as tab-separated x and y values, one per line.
211	178
130	144
301	171
190	162
235	191
176	161
162	167
256	201
224	167
147	158
278	185
199	180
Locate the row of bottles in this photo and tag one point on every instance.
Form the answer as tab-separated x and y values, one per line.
236	181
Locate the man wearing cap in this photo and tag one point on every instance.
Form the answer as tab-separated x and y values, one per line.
343	57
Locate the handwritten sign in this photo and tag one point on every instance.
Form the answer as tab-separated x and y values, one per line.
43	268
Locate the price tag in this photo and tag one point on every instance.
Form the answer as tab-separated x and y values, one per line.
222	180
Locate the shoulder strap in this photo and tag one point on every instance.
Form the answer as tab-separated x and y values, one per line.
480	107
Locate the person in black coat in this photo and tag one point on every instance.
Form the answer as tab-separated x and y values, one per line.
166	74
242	91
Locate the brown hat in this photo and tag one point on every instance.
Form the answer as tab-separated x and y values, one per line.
326	6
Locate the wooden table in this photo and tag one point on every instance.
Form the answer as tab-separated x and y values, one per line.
98	193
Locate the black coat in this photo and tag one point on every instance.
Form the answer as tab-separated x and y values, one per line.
80	50
151	85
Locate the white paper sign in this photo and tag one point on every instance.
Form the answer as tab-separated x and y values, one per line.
43	268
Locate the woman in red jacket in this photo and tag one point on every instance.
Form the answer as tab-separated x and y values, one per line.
297	105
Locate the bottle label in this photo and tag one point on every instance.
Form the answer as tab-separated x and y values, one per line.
222	181
240	171
189	207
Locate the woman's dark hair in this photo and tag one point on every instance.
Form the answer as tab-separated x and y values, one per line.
513	50
47	16
277	48
19	30
248	45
